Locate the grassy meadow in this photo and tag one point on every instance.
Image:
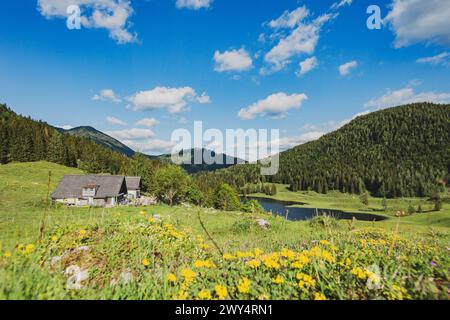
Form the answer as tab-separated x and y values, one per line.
162	252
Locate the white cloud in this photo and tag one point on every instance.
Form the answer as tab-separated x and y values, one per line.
115	122
307	65
112	15
440	59
151	146
302	39
341	3
290	19
147	122
193	4
175	100
107	95
233	60
291	142
406	96
131	134
204	99
415	21
276	106
346	68
65	127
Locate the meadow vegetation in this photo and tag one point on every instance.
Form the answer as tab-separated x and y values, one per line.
164	252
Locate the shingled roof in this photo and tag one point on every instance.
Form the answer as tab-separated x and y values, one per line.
71	186
133	183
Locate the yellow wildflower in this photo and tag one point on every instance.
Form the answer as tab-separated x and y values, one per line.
7	254
188	275
54	238
288	254
145	262
204	264
204	246
204	295
319	296
305	280
325	242
258	252
29	248
151	219
360	273
82	232
247	254
228	256
296	265
253	263
182	295
278	279
244	285
221	291
142	212
171	277
271	261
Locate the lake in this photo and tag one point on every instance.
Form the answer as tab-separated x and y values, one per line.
279	208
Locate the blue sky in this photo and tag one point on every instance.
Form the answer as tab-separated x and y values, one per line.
229	63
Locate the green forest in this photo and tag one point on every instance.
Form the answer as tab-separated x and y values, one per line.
398	152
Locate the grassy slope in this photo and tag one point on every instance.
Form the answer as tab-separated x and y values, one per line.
118	243
23	187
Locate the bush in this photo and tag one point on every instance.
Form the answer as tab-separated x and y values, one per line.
323	221
252	206
195	196
226	199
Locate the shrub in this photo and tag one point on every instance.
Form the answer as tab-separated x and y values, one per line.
226	199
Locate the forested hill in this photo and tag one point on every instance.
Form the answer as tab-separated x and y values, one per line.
402	151
23	139
102	139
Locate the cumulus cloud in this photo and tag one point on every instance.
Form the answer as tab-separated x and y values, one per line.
307	65
115	122
107	95
416	21
233	60
301	39
346	68
151	146
147	122
405	96
112	15
276	106
289	19
193	4
132	134
175	100
440	59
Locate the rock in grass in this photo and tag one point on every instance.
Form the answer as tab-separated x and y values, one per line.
76	277
264	224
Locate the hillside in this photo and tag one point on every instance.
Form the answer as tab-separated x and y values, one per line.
402	151
25	140
102	139
227	161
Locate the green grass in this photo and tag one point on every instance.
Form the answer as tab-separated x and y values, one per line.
411	253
